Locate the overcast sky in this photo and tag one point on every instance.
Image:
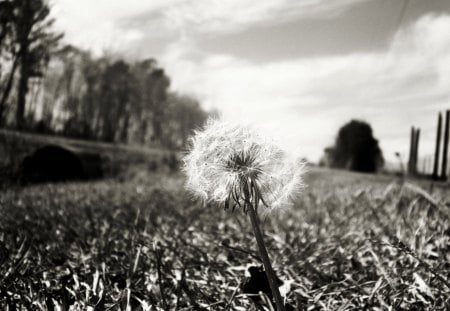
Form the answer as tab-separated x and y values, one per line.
299	69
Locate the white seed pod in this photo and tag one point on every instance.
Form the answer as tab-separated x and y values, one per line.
222	155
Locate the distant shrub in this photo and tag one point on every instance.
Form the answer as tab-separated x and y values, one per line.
355	149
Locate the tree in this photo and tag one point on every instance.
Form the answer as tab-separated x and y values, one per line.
141	70
113	100
6	10
7	55
152	91
90	116
158	84
116	94
184	114
65	88
356	149
33	43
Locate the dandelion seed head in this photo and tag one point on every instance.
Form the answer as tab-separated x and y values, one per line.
222	155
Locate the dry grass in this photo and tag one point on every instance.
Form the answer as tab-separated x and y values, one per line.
353	242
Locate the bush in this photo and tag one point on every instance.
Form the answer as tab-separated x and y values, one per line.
356	149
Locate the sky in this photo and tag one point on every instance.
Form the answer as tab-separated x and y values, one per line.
296	69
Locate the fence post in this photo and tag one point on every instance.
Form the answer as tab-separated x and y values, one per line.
438	148
416	150
445	142
411	151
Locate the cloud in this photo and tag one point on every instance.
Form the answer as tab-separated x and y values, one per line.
119	24
96	25
216	16
304	101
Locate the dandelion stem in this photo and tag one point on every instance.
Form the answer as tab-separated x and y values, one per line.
160	282
265	258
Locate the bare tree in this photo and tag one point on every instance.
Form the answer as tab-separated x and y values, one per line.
7	54
116	93
33	43
142	70
114	100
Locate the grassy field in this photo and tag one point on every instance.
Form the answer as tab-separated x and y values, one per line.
353	242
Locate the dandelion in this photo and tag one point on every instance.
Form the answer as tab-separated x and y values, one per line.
235	167
224	157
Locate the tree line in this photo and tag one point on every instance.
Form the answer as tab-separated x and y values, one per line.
49	87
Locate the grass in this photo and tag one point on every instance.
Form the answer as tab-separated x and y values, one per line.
353	242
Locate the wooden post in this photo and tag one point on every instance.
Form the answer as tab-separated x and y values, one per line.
411	150
445	142
416	150
438	148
